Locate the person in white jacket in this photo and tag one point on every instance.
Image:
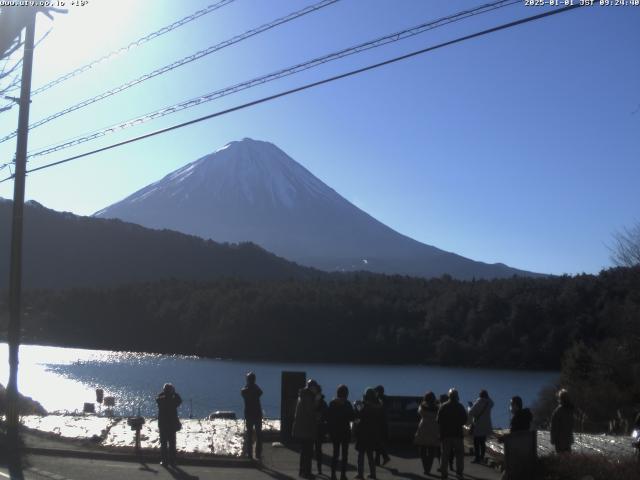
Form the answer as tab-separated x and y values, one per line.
480	417
427	437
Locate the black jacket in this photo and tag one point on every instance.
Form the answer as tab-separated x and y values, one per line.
321	417
521	420
251	395
562	427
168	411
340	414
369	426
451	417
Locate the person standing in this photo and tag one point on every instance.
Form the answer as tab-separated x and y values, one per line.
452	416
480	413
168	423
520	417
305	426
441	401
321	419
340	414
381	451
369	415
427	436
251	394
562	423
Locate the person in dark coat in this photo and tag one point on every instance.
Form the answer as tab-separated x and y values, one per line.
305	426
381	451
441	401
369	415
520	417
427	435
168	423
562	423
321	418
480	413
452	416
340	414
251	394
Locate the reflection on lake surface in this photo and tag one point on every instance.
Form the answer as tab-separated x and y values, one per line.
65	378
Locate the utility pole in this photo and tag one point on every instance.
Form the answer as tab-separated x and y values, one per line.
15	272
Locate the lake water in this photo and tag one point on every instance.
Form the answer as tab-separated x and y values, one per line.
65	378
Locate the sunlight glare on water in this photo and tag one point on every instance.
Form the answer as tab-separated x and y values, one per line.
37	380
62	379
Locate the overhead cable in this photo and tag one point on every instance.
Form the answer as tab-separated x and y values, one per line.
135	43
178	63
503	26
193	102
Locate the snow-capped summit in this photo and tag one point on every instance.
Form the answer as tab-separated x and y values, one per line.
248	171
250	190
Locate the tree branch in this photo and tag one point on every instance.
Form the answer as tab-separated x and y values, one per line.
625	251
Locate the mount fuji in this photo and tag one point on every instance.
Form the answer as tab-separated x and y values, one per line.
251	190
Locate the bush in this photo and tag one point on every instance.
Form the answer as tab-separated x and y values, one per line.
583	466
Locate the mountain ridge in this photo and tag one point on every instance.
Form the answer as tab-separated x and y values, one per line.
251	190
61	249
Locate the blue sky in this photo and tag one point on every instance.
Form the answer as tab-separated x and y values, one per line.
520	147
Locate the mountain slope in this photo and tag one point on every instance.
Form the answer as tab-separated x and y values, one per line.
252	191
65	250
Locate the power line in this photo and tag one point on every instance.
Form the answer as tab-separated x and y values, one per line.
179	63
135	43
141	41
378	42
308	86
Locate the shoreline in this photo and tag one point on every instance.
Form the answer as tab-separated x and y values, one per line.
277	361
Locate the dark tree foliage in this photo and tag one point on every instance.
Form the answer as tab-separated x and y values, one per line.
62	250
604	383
518	322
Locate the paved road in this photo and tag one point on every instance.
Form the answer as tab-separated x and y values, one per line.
279	463
42	467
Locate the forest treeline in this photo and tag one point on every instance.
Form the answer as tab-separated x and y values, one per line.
519	322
